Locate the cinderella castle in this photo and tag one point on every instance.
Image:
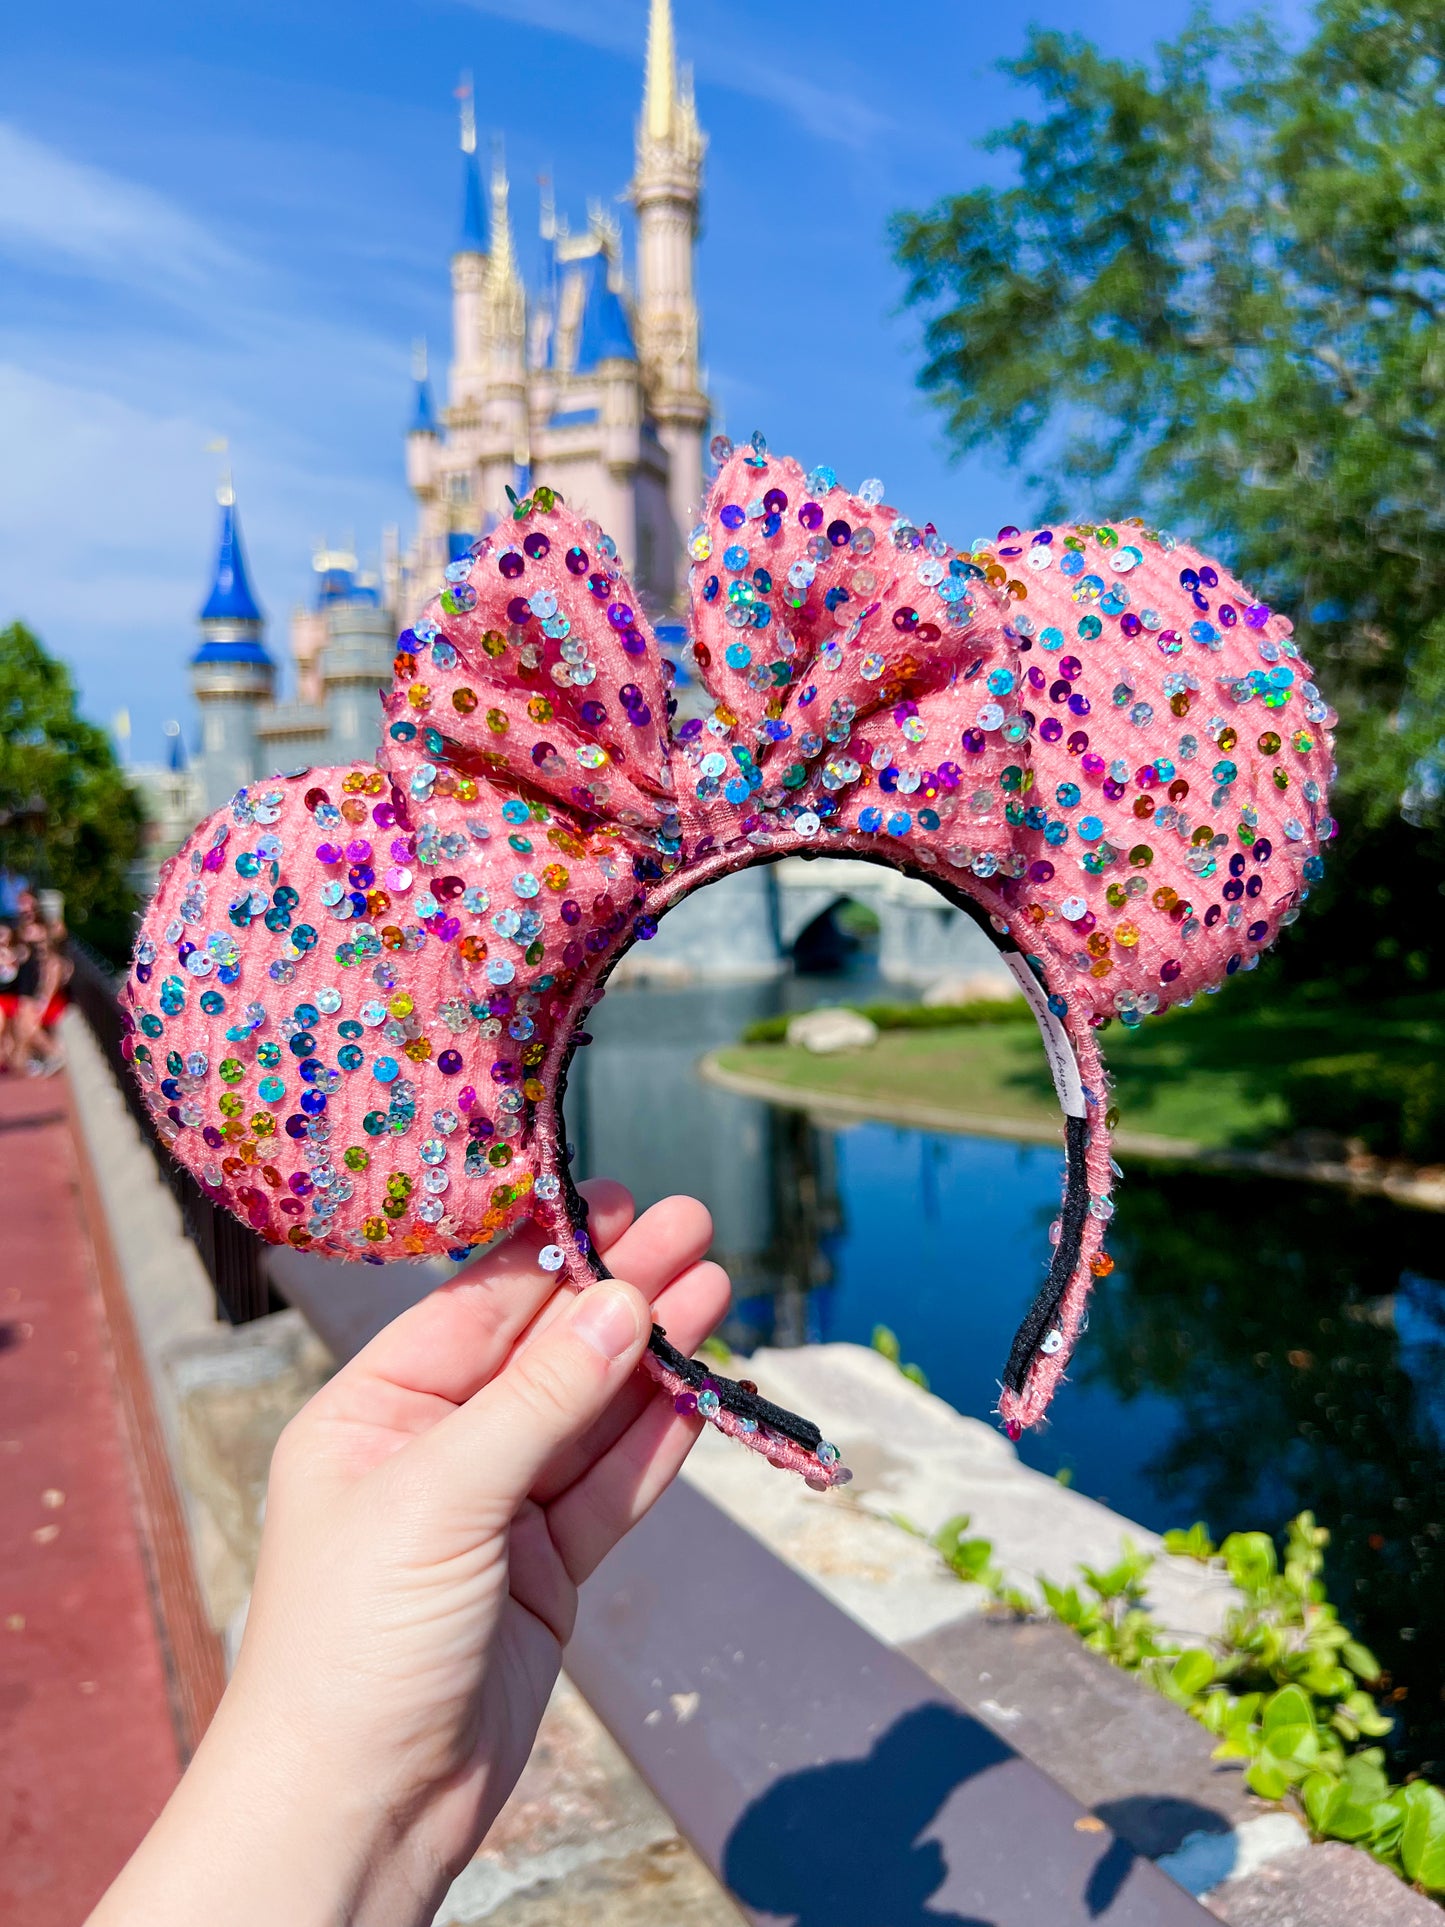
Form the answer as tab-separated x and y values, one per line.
586	381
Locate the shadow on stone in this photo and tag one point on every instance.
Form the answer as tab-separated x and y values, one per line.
838	1845
1144	1826
1156	1823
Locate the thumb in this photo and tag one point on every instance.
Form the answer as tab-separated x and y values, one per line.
550	1391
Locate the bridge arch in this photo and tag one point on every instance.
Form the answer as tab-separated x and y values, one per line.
748	925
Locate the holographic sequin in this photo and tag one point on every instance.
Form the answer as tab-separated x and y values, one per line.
380	971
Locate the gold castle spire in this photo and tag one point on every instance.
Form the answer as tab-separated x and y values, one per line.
504	254
659	102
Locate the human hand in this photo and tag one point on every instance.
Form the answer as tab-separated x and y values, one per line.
430	1515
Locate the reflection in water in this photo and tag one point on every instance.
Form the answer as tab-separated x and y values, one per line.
1261	1347
1300	1338
637	1111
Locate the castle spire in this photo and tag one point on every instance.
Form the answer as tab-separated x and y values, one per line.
666	192
506	321
231	612
659	100
423	414
231	674
504	252
473	239
469	266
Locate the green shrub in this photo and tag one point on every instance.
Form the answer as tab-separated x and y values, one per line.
987	1010
1285	1687
885	1343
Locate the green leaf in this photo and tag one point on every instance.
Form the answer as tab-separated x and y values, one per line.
946	1539
1366	1780
1268	1777
1285	1710
1123	1579
1375	1725
1350	1808
1212	1710
1318	1791
1387	1823
971	1559
1249	1558
1361	1661
1422	1842
1064	1602
885	1343
1193	1671
1193	1544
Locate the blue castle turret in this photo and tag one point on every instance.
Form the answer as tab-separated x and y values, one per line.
474	237
231	673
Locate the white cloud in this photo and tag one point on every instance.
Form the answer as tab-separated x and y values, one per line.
106	489
66	213
107	521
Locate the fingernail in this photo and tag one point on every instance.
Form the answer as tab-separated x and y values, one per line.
606	1319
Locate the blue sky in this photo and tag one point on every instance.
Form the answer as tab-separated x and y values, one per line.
232	221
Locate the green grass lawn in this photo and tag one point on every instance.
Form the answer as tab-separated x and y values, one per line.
1239	1070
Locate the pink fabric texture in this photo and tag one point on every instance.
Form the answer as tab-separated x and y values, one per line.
357	990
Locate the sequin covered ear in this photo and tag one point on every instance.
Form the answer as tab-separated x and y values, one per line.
1090	737
357	992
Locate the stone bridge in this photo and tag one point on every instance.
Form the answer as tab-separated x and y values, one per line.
746	926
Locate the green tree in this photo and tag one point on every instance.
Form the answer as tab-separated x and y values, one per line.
68	818
1215	292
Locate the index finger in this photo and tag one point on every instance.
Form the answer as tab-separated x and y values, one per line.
451	1342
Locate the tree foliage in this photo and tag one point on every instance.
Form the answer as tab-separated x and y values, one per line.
1215	290
68	818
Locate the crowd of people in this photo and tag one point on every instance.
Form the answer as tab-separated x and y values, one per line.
34	970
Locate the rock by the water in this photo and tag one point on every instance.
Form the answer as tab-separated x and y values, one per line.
826	1031
983	986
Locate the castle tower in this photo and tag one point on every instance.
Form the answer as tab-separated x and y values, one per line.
423	431
666	192
232	676
505	312
357	659
469	272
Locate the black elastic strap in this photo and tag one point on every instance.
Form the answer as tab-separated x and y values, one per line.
1044	1310
732	1396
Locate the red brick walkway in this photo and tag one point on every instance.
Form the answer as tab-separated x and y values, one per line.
88	1742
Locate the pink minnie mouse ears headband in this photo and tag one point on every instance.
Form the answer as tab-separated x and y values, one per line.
358	990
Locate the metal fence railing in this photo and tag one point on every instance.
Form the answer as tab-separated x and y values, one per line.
234	1257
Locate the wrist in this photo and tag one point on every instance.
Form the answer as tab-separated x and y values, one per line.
265	1829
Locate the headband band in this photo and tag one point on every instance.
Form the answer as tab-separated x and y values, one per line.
358	989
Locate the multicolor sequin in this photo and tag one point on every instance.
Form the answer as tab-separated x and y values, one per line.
356	993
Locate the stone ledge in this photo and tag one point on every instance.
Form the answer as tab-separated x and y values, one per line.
1138	1762
1133	1758
582	1838
1330	1885
915	1457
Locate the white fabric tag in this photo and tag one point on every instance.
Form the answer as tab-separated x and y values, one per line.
1063	1065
